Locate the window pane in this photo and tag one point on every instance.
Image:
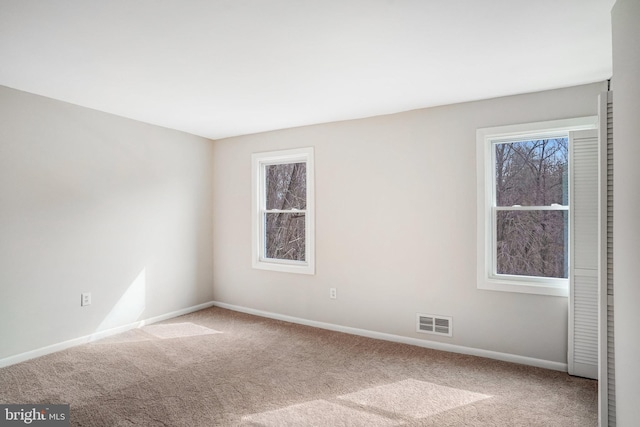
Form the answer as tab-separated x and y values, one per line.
532	243
286	186
532	173
285	236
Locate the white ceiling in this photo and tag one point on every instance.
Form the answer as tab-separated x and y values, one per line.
220	68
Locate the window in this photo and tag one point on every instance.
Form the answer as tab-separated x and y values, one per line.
283	215
524	204
530	209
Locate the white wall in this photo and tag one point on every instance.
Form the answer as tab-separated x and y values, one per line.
91	202
395	226
626	202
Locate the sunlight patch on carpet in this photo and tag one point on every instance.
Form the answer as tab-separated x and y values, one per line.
318	413
178	330
413	398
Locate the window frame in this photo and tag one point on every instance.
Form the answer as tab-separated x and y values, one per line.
259	162
486	138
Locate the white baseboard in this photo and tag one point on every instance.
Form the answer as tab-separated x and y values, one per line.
506	357
12	360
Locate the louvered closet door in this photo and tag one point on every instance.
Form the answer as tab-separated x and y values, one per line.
606	388
611	379
583	291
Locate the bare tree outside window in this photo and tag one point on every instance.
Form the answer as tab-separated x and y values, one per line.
286	203
531	213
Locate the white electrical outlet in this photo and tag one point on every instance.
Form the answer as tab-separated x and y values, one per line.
333	294
85	299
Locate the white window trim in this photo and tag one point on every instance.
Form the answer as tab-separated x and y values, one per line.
258	163
485	138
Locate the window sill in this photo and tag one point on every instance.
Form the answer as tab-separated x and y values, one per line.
559	289
299	267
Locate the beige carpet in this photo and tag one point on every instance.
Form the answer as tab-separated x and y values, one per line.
221	368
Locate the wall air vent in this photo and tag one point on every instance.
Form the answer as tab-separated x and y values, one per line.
431	324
